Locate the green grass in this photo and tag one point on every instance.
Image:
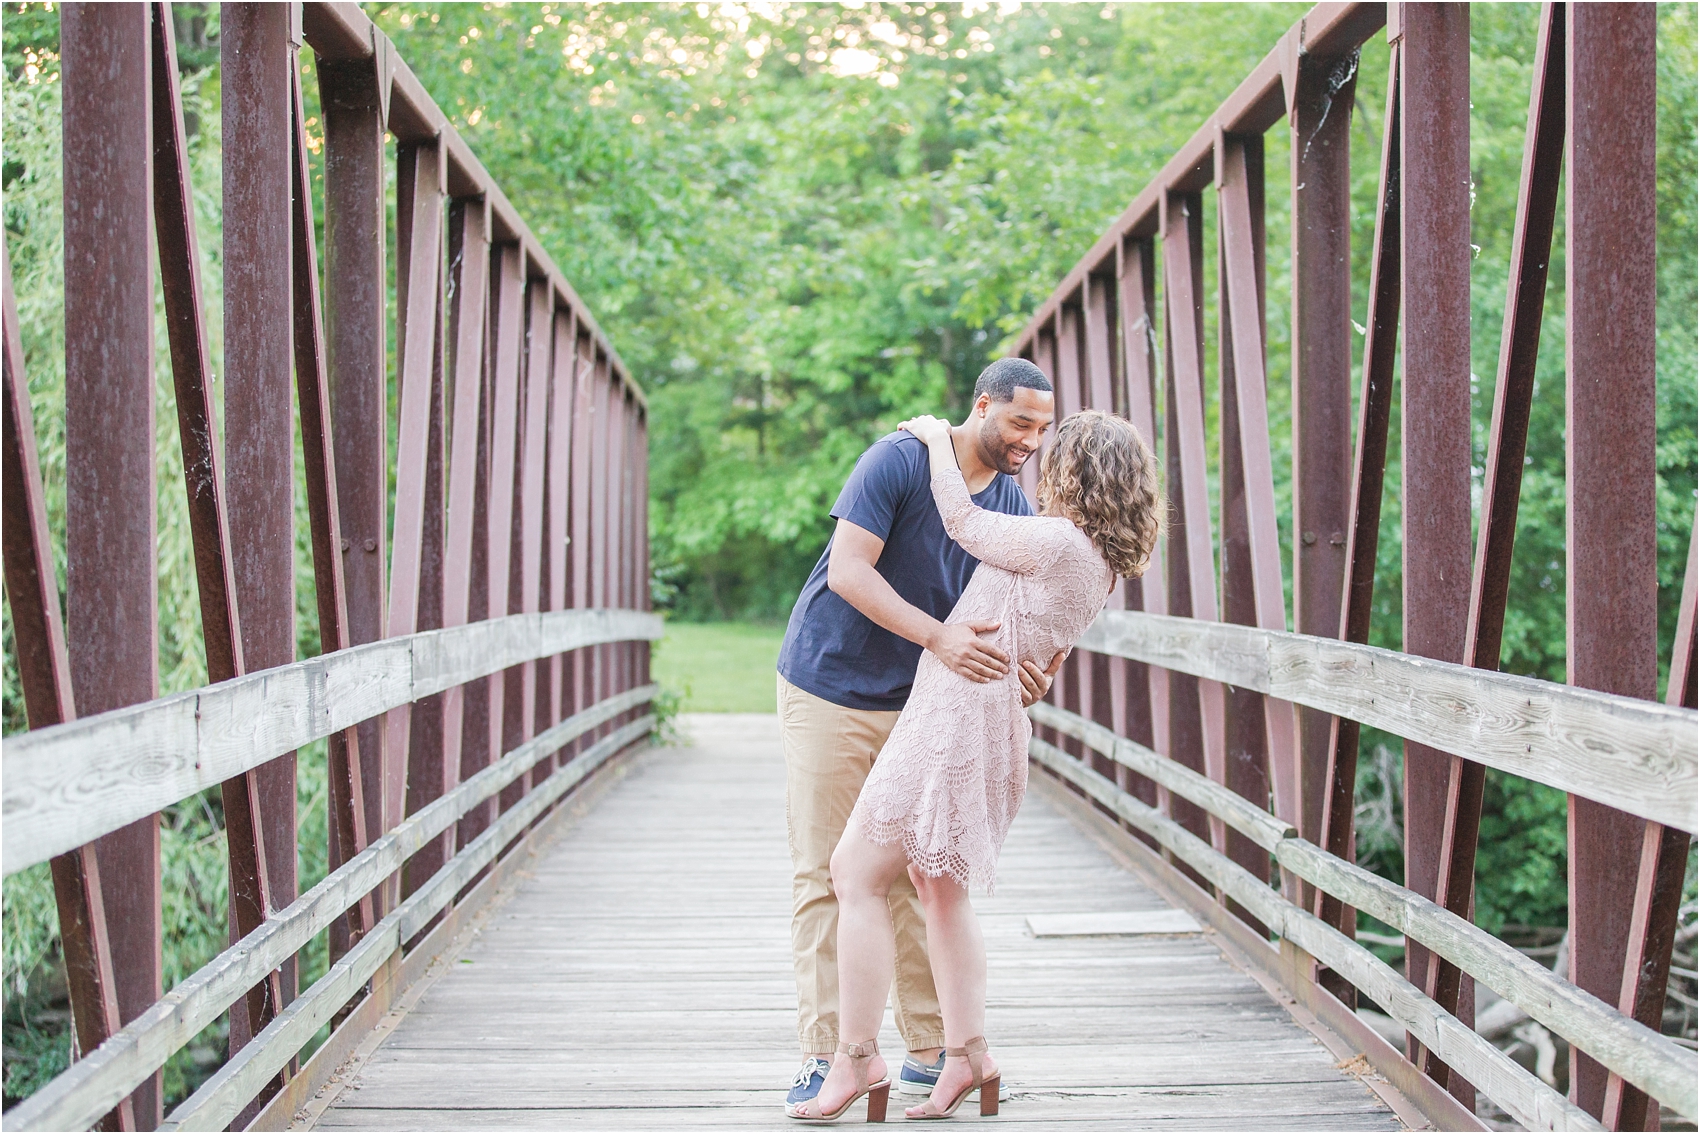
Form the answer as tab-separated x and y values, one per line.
719	667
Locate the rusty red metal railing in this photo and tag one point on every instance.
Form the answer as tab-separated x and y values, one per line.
518	508
1591	124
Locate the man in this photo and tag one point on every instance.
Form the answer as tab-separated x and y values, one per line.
877	598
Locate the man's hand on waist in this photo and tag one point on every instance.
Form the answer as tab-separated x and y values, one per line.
1036	682
959	646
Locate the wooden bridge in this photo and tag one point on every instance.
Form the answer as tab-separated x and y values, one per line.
536	917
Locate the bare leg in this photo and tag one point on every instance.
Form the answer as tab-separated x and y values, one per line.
958	952
862	874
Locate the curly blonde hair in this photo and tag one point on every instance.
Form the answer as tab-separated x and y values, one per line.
1101	475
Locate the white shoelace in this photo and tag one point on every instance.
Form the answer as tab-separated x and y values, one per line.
807	1072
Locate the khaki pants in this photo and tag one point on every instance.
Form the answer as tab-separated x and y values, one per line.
829	751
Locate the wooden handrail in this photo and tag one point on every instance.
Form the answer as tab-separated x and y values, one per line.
1528	1100
65	786
79	1096
1624	1045
221	1098
1638	756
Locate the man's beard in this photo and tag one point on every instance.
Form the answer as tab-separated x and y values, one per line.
1004	457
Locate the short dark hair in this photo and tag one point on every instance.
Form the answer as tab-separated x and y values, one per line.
1000	379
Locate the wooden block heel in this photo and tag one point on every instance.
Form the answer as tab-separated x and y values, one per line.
988	1088
876	1102
859	1055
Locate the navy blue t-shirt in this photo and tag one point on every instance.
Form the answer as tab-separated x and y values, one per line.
835	651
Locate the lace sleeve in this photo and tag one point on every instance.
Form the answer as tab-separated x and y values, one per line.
1021	544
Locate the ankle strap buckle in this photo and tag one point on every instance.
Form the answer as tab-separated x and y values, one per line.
860	1050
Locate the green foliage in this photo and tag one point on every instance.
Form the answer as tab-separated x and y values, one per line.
1521	860
792	256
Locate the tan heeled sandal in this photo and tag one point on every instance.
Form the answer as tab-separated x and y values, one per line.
859	1055
988	1088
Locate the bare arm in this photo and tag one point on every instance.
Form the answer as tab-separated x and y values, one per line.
1022	545
850	574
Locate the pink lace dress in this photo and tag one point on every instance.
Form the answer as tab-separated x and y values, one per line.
953	773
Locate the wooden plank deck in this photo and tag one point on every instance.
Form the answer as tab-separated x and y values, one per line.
640	977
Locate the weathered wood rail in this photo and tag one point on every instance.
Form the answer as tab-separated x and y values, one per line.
68	785
1622	1044
482	591
1194	717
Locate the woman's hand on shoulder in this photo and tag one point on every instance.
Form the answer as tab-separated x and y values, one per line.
928	428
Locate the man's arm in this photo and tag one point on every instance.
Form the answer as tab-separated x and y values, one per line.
850	575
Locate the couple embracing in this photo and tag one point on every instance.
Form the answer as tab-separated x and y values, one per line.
941	608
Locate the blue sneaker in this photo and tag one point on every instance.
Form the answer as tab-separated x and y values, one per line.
809	1079
919	1078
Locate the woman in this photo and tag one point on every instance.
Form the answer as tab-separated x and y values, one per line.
951	777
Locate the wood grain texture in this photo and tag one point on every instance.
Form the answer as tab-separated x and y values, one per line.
93	1084
1528	1100
223	1096
1239	813
1637	756
1622	1044
65	786
659	924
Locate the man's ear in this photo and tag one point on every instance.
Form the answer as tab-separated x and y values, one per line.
983	404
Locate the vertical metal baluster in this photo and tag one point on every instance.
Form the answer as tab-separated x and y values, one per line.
615	427
1250	765
599	440
534	426
465	732
479	725
179	262
1044	356
1067	691
1103	677
1435	446
1611	547
112	616
346	802
1531	250
1147	687
1319	140
1195	704
507	321
429	773
44	678
417	530
627	537
1369	466
559	544
645	601
1240	215
354	95
583	419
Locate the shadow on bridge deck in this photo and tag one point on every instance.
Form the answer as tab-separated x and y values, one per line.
639	976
